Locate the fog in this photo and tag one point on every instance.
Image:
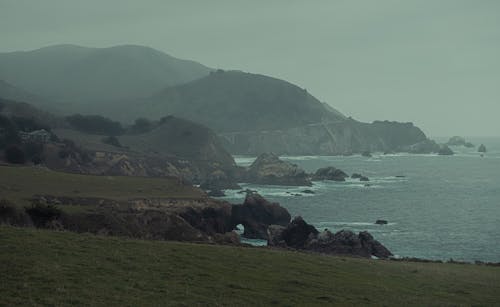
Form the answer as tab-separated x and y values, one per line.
434	63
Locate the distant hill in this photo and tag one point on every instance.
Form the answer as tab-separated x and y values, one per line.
229	101
69	73
9	91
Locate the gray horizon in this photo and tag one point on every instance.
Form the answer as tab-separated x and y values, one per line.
433	63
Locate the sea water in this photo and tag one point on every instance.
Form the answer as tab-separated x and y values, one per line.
437	207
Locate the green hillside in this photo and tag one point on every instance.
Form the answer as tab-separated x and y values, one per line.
236	101
39	267
19	184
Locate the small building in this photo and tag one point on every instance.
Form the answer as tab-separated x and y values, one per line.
38	136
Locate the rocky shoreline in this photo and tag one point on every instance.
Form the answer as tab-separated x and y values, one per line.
192	220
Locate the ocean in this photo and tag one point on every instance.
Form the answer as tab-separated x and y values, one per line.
437	207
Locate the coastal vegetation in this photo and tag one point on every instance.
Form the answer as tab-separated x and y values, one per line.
41	267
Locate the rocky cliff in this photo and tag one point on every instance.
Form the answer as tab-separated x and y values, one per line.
334	138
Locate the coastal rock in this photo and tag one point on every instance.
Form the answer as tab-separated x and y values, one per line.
275	236
346	242
307	191
256	214
366	153
381	222
298	233
459	141
481	148
329	173
364	178
424	147
218	180
445	151
333	138
268	168
303	236
373	247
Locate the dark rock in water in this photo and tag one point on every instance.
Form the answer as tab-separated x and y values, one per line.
256	214
216	193
400	176
445	151
308	191
381	222
346	242
297	233
459	141
366	154
360	177
329	173
373	247
481	148
300	235
269	169
423	147
297	194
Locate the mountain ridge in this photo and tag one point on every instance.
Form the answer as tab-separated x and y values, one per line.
85	74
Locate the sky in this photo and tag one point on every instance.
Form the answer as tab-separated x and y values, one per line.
435	63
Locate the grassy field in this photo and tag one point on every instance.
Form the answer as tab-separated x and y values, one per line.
40	267
18	184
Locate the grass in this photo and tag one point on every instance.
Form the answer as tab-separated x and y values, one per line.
19	184
40	267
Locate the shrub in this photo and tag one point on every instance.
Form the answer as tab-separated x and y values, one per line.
42	214
8	132
142	125
28	124
95	124
15	155
112	140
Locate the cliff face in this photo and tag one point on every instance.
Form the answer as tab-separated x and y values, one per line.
345	137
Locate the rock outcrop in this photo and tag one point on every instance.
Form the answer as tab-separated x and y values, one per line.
445	151
200	220
423	147
481	148
300	235
256	214
329	173
459	141
268	168
342	137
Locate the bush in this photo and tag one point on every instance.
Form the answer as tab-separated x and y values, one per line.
8	132
28	124
112	140
95	124
142	125
15	155
42	214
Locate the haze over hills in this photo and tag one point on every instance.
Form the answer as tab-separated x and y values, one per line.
229	101
253	113
70	73
9	91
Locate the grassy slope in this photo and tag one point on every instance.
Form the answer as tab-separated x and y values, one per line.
58	268
18	184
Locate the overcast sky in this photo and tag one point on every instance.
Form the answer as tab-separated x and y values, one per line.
433	62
